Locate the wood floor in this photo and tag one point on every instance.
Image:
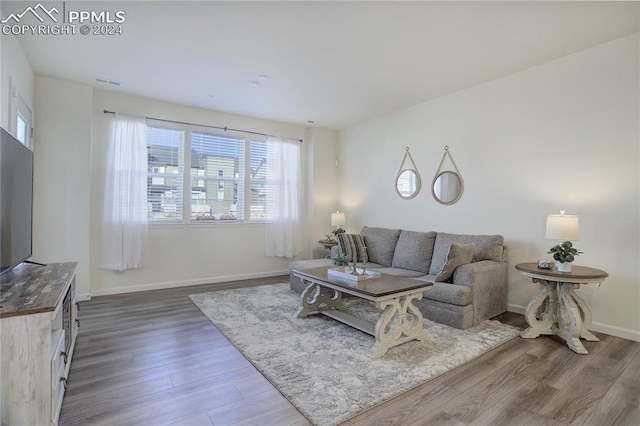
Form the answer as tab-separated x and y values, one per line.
153	358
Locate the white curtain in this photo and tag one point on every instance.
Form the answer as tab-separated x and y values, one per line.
124	222
283	197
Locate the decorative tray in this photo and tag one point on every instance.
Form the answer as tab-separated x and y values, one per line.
346	274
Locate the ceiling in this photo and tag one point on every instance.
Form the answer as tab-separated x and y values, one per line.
334	63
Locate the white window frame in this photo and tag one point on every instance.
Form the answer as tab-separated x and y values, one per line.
19	109
245	203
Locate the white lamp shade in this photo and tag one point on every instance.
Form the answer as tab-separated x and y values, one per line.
563	227
337	219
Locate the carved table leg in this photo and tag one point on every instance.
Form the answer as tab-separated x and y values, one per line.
570	318
316	298
395	326
541	311
585	314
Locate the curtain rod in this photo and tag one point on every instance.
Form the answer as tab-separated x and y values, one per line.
225	128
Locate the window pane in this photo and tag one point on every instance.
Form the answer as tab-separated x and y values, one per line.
259	186
217	170
21	129
165	156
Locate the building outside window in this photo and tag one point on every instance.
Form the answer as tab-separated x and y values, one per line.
212	189
164	179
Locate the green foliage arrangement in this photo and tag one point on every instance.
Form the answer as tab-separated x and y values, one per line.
564	252
340	259
337	231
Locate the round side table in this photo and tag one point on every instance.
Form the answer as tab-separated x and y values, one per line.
328	243
556	309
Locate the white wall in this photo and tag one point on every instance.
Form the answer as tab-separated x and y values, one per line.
14	67
323	186
62	172
178	255
71	144
562	135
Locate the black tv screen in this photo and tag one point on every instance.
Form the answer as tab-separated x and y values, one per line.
16	201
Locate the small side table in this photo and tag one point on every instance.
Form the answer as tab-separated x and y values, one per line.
556	309
327	245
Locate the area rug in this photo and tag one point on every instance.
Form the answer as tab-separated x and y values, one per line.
323	367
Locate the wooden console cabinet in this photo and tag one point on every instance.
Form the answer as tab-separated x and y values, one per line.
38	329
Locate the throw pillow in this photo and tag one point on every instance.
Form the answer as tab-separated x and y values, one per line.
459	254
352	245
487	247
414	251
381	243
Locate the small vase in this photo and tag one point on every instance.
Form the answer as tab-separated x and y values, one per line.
564	266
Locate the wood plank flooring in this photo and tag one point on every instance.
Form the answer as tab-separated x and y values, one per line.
153	358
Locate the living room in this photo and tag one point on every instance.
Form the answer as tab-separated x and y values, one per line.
554	134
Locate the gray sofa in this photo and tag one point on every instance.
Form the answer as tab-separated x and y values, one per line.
475	291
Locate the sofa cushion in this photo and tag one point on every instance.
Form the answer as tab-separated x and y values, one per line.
381	243
459	254
487	247
352	246
414	251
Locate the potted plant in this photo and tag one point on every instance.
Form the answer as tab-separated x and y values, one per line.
340	260
565	254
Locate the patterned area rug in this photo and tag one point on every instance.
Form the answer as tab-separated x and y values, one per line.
323	367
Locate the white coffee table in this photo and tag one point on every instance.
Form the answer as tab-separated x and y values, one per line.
400	321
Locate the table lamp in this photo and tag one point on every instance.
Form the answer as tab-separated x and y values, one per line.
563	227
337	219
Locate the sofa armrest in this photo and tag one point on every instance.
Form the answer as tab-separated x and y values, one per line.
488	282
477	273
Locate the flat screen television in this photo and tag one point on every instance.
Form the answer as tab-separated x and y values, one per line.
16	201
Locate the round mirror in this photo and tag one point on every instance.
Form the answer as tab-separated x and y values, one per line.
447	187
408	183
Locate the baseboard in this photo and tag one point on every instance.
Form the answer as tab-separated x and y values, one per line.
83	297
176	284
516	309
612	330
625	333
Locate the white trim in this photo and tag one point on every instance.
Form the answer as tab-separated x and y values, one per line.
83	297
625	333
612	330
516	309
176	284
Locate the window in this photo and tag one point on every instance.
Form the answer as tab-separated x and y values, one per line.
20	116
216	165
165	156
21	129
259	184
211	189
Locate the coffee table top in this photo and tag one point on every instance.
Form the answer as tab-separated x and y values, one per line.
377	287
